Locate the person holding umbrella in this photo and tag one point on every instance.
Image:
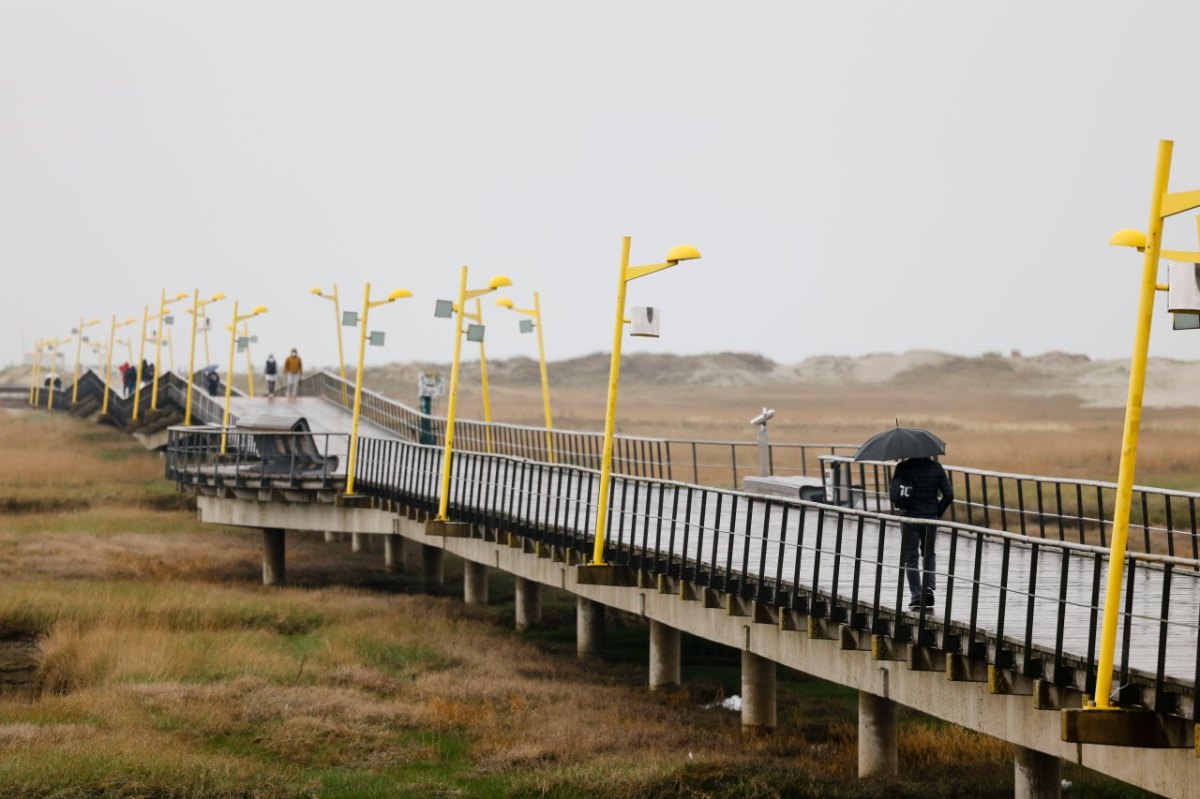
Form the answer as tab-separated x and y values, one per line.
921	490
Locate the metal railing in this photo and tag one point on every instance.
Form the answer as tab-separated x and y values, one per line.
172	398
1162	520
255	459
1022	603
713	462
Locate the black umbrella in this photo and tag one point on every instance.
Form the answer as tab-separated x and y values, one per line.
900	443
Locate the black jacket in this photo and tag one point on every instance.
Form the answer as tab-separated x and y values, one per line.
920	488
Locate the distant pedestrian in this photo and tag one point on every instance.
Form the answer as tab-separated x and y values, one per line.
212	381
920	489
128	378
146	373
293	369
271	373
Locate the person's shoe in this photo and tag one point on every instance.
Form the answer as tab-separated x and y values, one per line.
914	604
929	599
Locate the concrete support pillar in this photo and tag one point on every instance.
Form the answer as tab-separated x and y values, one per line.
357	542
432	576
664	657
475	583
529	603
274	546
876	735
330	536
589	627
391	552
758	692
1036	774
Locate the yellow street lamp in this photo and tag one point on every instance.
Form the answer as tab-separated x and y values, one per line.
78	351
232	327
35	372
496	282
163	302
112	340
249	358
477	318
337	321
245	343
1162	205
53	368
197	305
536	324
397	294
682	252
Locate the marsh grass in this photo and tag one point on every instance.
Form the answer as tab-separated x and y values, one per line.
166	670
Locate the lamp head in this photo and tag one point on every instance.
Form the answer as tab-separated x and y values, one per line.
181	296
1128	237
682	252
317	291
94	322
499	281
216	297
398	294
504	302
130	320
259	309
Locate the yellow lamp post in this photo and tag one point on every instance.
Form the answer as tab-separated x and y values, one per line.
477	318
1162	205
337	321
53	368
245	339
352	459
141	359
112	341
35	372
197	306
536	325
163	302
232	327
683	252
78	352
496	282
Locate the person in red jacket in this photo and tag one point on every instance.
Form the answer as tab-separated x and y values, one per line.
920	489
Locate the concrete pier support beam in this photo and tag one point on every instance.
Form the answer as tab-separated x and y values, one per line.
664	656
274	547
391	552
589	627
1036	775
475	583
357	542
432	574
330	536
529	603
758	693
876	735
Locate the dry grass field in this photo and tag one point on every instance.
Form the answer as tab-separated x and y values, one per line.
160	667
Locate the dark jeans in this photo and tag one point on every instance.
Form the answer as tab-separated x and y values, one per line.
917	546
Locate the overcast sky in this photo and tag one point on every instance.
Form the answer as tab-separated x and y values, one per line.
860	177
